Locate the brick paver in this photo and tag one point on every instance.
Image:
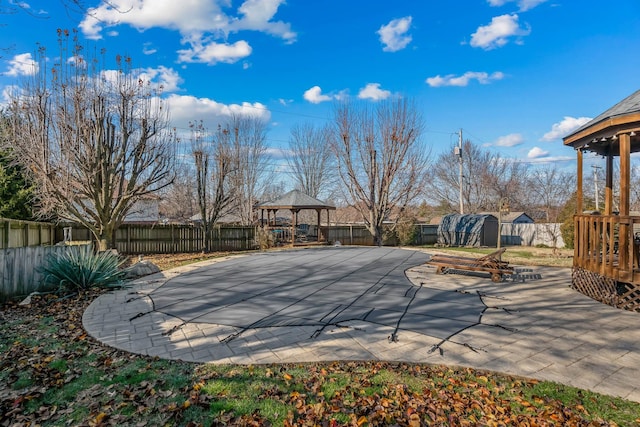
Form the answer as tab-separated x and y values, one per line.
277	307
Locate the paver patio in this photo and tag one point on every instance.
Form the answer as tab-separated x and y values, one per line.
357	303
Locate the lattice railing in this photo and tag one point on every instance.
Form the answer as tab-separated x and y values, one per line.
606	290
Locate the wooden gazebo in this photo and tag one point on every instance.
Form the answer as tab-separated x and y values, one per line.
294	201
605	262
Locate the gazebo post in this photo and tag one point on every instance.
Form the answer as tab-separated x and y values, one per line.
294	225
579	205
608	191
626	231
625	172
326	238
319	213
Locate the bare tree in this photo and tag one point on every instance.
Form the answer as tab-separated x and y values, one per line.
445	183
249	173
273	189
487	177
10	7
635	187
381	158
213	166
311	159
550	189
94	143
179	201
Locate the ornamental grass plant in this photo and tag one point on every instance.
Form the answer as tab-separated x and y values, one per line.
79	270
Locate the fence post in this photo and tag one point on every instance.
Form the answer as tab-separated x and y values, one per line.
173	240
7	233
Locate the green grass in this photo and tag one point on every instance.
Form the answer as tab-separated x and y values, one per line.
486	251
623	411
516	255
55	375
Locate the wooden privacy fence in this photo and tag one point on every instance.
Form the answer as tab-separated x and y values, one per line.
167	239
426	234
16	234
20	268
349	234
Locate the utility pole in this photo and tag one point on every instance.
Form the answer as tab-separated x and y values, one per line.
595	182
458	152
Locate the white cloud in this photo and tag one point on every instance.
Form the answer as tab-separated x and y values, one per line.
278	153
164	77
168	78
342	95
524	5
77	61
315	95
21	4
258	15
510	140
198	21
187	16
372	91
212	53
465	79
537	153
187	108
10	92
148	49
22	65
549	159
394	35
498	32
563	128
285	102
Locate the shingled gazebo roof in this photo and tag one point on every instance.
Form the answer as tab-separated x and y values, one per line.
297	200
597	135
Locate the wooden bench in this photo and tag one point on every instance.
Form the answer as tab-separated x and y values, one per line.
491	263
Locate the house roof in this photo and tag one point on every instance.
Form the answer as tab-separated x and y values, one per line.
295	199
227	218
509	217
600	135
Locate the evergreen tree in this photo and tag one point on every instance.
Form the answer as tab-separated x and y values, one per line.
15	192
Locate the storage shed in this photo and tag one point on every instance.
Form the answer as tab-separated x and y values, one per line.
468	230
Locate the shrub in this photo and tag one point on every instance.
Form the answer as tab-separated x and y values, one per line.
567	230
264	238
77	270
406	231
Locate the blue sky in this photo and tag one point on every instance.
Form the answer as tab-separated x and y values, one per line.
515	75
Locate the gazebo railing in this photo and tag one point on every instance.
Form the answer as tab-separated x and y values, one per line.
281	234
605	244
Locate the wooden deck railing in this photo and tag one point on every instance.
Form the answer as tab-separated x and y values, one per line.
605	244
